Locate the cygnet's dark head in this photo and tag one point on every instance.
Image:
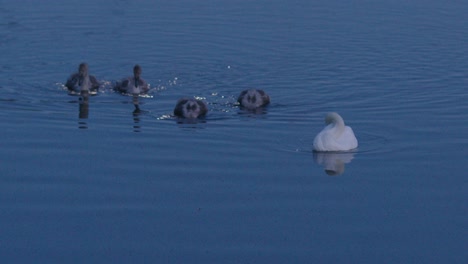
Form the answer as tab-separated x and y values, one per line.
190	108
137	71
253	98
83	69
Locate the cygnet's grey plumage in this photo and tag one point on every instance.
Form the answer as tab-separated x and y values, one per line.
253	98
190	108
82	81
133	84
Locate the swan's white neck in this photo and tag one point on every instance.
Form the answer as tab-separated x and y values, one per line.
337	121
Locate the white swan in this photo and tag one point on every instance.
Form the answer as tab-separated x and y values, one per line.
253	98
335	136
82	81
134	84
190	108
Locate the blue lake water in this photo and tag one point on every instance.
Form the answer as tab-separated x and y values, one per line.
100	184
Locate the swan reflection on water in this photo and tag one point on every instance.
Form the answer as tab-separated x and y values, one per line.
136	114
83	110
333	162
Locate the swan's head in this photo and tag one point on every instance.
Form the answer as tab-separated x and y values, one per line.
137	71
83	69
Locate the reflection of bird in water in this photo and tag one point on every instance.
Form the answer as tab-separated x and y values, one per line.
335	136
82	81
83	107
136	103
253	99
134	84
333	162
190	108
136	114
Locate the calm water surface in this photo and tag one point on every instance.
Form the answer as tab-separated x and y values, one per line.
100	183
